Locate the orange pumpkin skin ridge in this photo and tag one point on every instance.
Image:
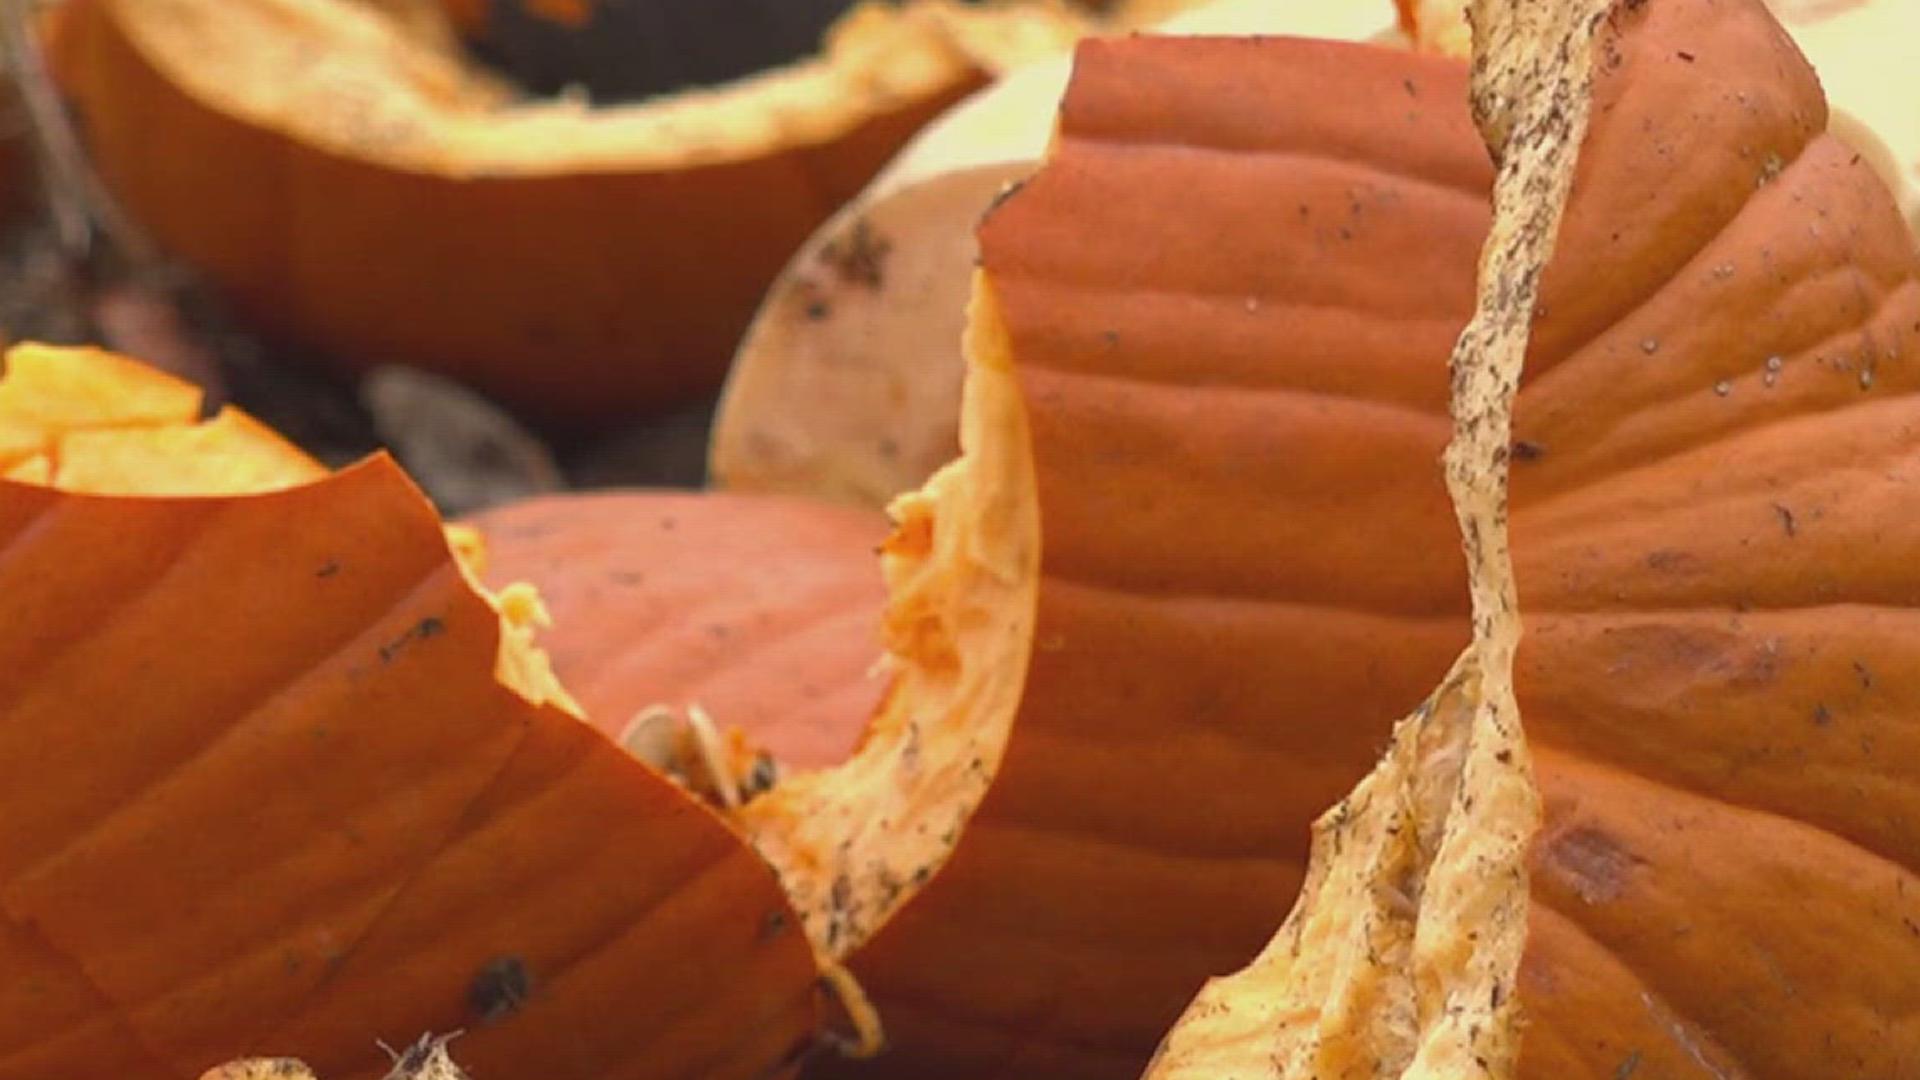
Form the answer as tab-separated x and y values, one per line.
435	837
611	306
1135	840
759	609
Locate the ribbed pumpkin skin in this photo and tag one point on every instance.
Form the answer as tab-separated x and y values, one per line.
1229	295
580	297
762	610
1716	569
265	795
1711	549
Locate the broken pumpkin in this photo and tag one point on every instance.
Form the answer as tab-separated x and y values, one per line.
282	778
864	323
759	610
352	180
1672	835
1193	441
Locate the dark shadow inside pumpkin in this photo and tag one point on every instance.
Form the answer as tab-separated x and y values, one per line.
628	50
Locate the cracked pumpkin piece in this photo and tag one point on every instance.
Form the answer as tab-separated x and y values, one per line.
280	776
1059	645
1712	465
1085	607
350	179
864	323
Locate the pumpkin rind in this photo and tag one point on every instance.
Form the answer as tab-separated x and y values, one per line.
267	790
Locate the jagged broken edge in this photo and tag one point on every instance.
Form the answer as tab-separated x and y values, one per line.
1400	955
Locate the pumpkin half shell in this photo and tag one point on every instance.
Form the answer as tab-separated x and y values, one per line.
761	610
350	181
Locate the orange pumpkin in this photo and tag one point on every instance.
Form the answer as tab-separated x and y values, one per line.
1708	867
1086	607
761	610
281	778
347	178
1729	256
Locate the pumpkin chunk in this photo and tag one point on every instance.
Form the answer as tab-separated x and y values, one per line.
1113	653
279	773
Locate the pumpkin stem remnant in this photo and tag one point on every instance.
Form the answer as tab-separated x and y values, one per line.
1399	958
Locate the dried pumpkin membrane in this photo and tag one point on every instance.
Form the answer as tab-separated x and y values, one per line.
1401	955
854	842
865	320
342	796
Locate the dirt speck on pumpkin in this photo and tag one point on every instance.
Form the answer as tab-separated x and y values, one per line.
500	989
431	626
859	255
1589	862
